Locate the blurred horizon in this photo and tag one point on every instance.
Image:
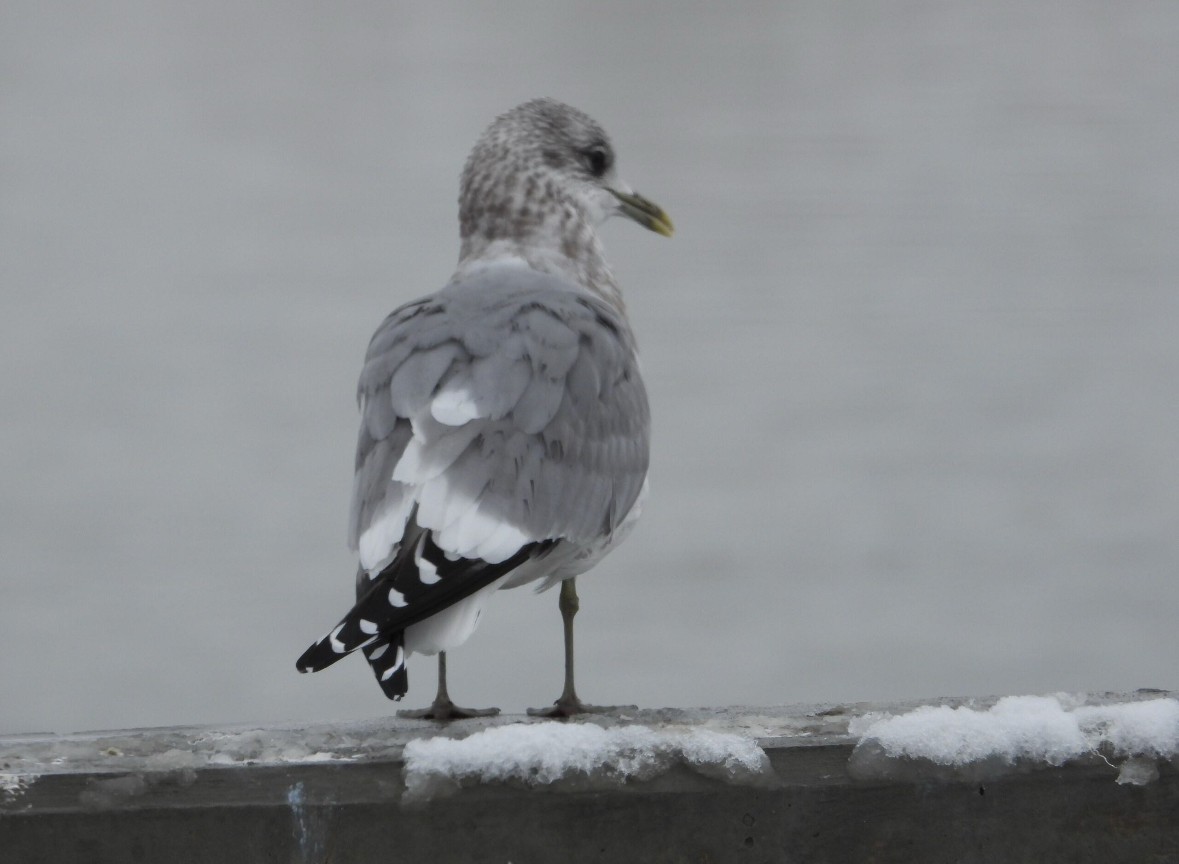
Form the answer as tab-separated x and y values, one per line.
911	352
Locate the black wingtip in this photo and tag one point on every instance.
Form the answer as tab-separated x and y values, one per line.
387	659
382	613
318	656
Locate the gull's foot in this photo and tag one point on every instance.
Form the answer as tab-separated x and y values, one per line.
444	710
564	708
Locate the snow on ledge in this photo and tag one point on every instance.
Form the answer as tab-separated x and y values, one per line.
1018	729
537	754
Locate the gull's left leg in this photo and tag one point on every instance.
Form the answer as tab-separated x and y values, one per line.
568	704
442	708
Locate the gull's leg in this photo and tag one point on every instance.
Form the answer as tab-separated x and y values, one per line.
568	704
443	708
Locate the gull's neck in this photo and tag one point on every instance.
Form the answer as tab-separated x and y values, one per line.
561	242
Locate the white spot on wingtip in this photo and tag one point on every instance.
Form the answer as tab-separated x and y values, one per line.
399	662
366	626
427	572
337	645
396	598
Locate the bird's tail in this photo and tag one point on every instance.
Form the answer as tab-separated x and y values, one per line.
412	588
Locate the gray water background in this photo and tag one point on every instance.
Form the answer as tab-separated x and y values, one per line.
912	353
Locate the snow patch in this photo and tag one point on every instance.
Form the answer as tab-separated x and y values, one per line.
1018	729
538	754
1148	728
12	786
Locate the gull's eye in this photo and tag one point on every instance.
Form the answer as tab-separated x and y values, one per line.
597	159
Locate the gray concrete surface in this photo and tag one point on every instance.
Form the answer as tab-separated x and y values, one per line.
336	794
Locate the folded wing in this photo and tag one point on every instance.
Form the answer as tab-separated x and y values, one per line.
502	418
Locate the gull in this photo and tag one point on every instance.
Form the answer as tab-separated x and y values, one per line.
505	428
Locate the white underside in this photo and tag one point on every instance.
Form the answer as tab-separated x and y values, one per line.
452	626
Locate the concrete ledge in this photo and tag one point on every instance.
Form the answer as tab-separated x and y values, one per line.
338	794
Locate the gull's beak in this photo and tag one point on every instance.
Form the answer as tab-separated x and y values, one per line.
646	213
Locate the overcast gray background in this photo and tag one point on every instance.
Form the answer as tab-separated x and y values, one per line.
912	353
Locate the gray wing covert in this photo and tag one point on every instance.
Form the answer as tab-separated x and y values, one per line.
506	414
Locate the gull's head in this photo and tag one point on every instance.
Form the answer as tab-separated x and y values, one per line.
543	175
